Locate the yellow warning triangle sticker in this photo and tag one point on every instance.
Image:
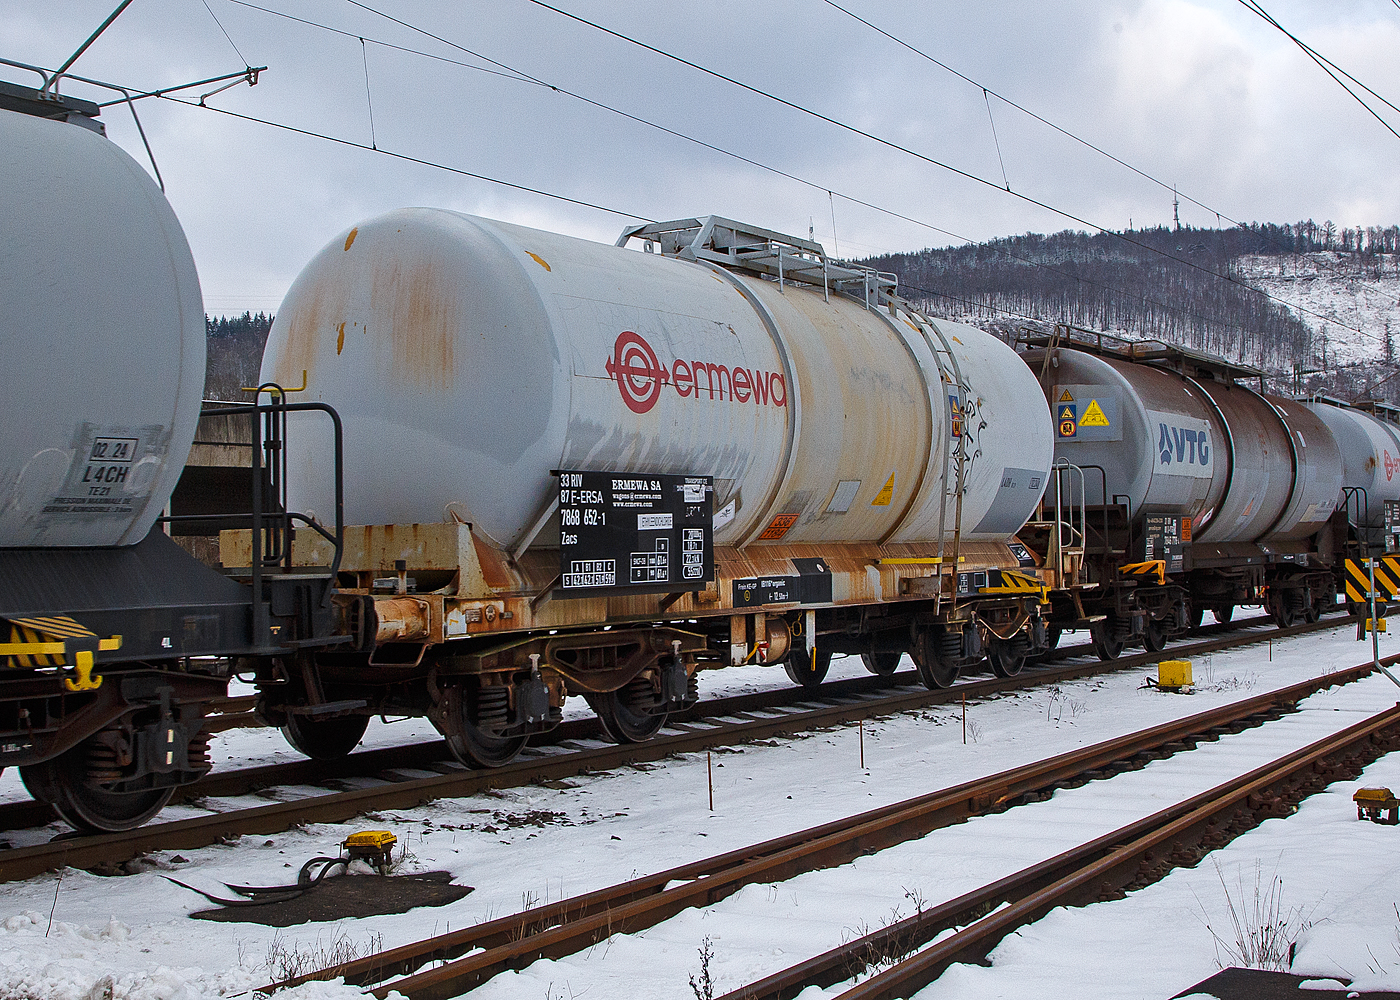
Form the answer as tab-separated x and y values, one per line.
1093	415
1066	414
882	499
1065	397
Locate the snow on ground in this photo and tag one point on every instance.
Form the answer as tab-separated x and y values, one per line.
529	845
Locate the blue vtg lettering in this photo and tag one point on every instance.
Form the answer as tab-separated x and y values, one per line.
1182	445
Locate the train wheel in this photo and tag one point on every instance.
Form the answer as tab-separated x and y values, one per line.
325	739
1195	616
62	783
1283	608
883	664
936	669
480	749
1224	613
1154	637
467	720
1052	636
1007	658
1107	644
623	713
806	669
1312	613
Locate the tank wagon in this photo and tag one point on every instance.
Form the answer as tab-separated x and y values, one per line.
585	469
112	638
1368	434
1181	489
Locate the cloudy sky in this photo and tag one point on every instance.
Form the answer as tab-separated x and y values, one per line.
1201	94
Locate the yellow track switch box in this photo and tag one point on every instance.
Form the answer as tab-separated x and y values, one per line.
1372	802
1174	674
375	847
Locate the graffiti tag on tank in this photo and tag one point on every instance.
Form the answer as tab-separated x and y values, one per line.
1182	444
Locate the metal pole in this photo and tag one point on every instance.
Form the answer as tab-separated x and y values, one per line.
1375	635
84	47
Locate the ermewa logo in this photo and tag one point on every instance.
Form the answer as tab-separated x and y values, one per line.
640	375
1391	464
1183	446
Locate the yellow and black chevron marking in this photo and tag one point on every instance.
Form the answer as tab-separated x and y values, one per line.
41	642
1006	581
1153	567
1358	579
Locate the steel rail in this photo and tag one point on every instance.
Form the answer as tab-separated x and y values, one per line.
570	925
188	834
1133	856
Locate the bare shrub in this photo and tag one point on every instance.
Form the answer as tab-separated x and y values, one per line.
703	984
1262	929
288	962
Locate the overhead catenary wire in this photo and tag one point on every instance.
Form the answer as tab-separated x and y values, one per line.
932	161
1328	67
407	158
506	71
225	31
522	75
1045	121
1027	111
369	98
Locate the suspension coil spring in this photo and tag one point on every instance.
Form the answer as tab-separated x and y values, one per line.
950	644
692	687
638	693
492	707
199	752
102	763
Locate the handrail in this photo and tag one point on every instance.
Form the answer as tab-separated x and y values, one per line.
271	530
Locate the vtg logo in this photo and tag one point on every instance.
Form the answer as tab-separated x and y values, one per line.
1182	445
640	375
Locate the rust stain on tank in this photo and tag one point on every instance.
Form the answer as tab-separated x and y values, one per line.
421	305
1370	463
305	321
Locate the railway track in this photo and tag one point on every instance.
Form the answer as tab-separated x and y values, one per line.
476	954
419	773
1128	858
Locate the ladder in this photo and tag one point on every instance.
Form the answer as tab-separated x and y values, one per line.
956	392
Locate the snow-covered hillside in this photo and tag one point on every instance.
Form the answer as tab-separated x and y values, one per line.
1351	303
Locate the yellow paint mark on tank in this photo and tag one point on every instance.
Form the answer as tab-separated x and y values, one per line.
340	337
351	238
540	261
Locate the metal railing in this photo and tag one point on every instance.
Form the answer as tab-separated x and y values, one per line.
272	524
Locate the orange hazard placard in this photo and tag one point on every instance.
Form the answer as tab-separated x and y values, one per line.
778	527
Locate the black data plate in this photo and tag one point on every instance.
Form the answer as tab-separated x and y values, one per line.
812	585
1164	538
635	533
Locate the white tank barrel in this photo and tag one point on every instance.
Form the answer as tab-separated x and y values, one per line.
469	358
1370	450
101	340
